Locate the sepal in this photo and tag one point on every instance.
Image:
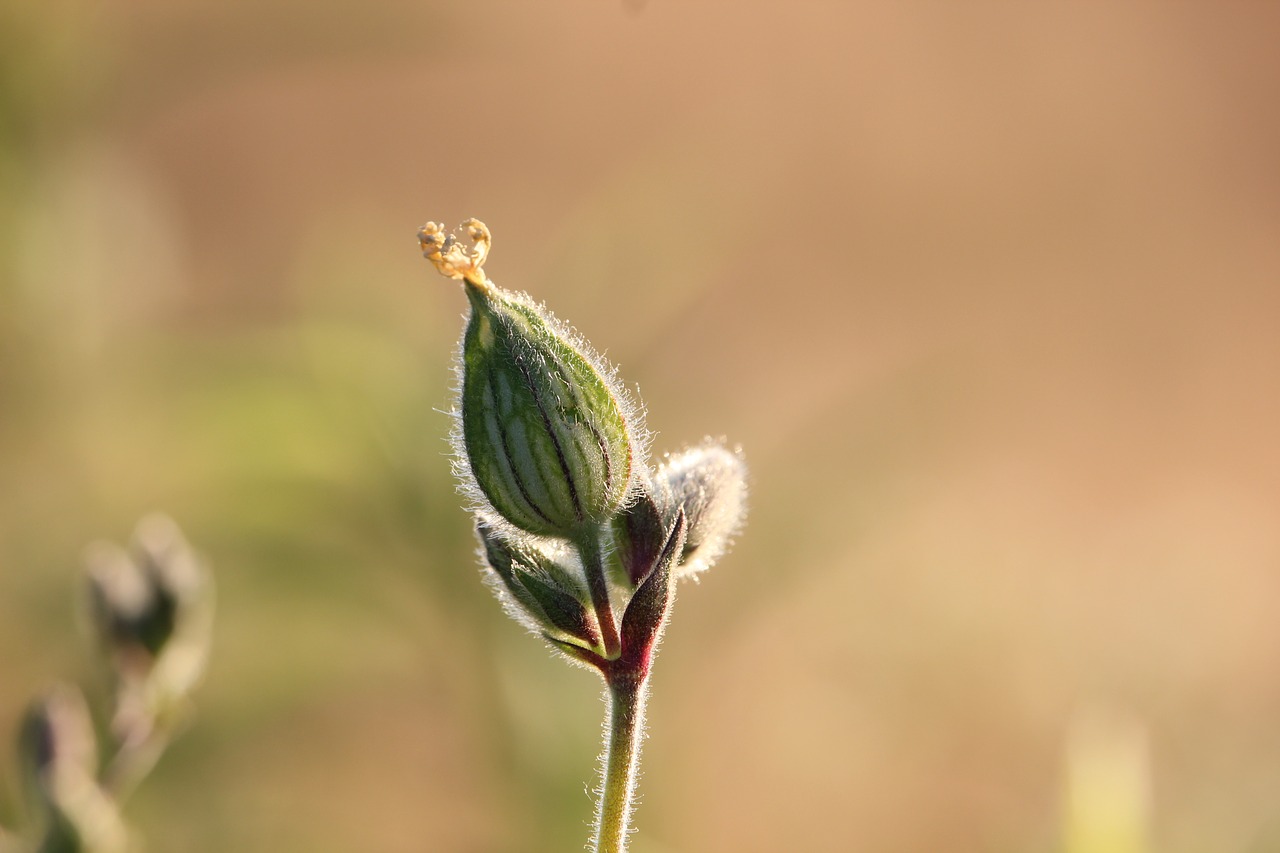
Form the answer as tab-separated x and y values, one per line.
578	654
647	613
640	530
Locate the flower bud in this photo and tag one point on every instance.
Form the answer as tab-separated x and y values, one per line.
152	610
544	595
709	483
58	752
133	616
544	429
56	743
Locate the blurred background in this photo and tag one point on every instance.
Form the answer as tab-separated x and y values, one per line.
989	294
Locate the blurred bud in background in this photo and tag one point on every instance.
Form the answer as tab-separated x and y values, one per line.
151	610
58	753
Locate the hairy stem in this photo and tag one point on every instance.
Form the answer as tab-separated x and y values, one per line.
628	692
593	564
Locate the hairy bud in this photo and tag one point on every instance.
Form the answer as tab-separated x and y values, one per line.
544	594
544	430
709	483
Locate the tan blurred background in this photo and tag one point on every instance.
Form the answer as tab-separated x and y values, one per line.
988	293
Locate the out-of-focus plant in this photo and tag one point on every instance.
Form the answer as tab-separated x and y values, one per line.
150	610
1108	781
581	539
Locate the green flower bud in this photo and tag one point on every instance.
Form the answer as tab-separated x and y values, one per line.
545	435
544	594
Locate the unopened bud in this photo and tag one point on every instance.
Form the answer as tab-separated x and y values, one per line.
152	610
58	752
545	434
133	616
140	601
544	594
56	744
709	483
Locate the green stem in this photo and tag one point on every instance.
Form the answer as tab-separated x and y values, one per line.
628	693
593	564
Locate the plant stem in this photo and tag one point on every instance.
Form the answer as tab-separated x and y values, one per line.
628	693
593	564
131	765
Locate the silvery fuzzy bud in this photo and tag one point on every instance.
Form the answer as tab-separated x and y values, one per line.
547	435
709	483
543	592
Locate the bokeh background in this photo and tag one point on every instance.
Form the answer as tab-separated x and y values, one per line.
989	293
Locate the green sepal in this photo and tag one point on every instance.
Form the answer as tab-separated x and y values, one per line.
577	653
562	610
543	593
